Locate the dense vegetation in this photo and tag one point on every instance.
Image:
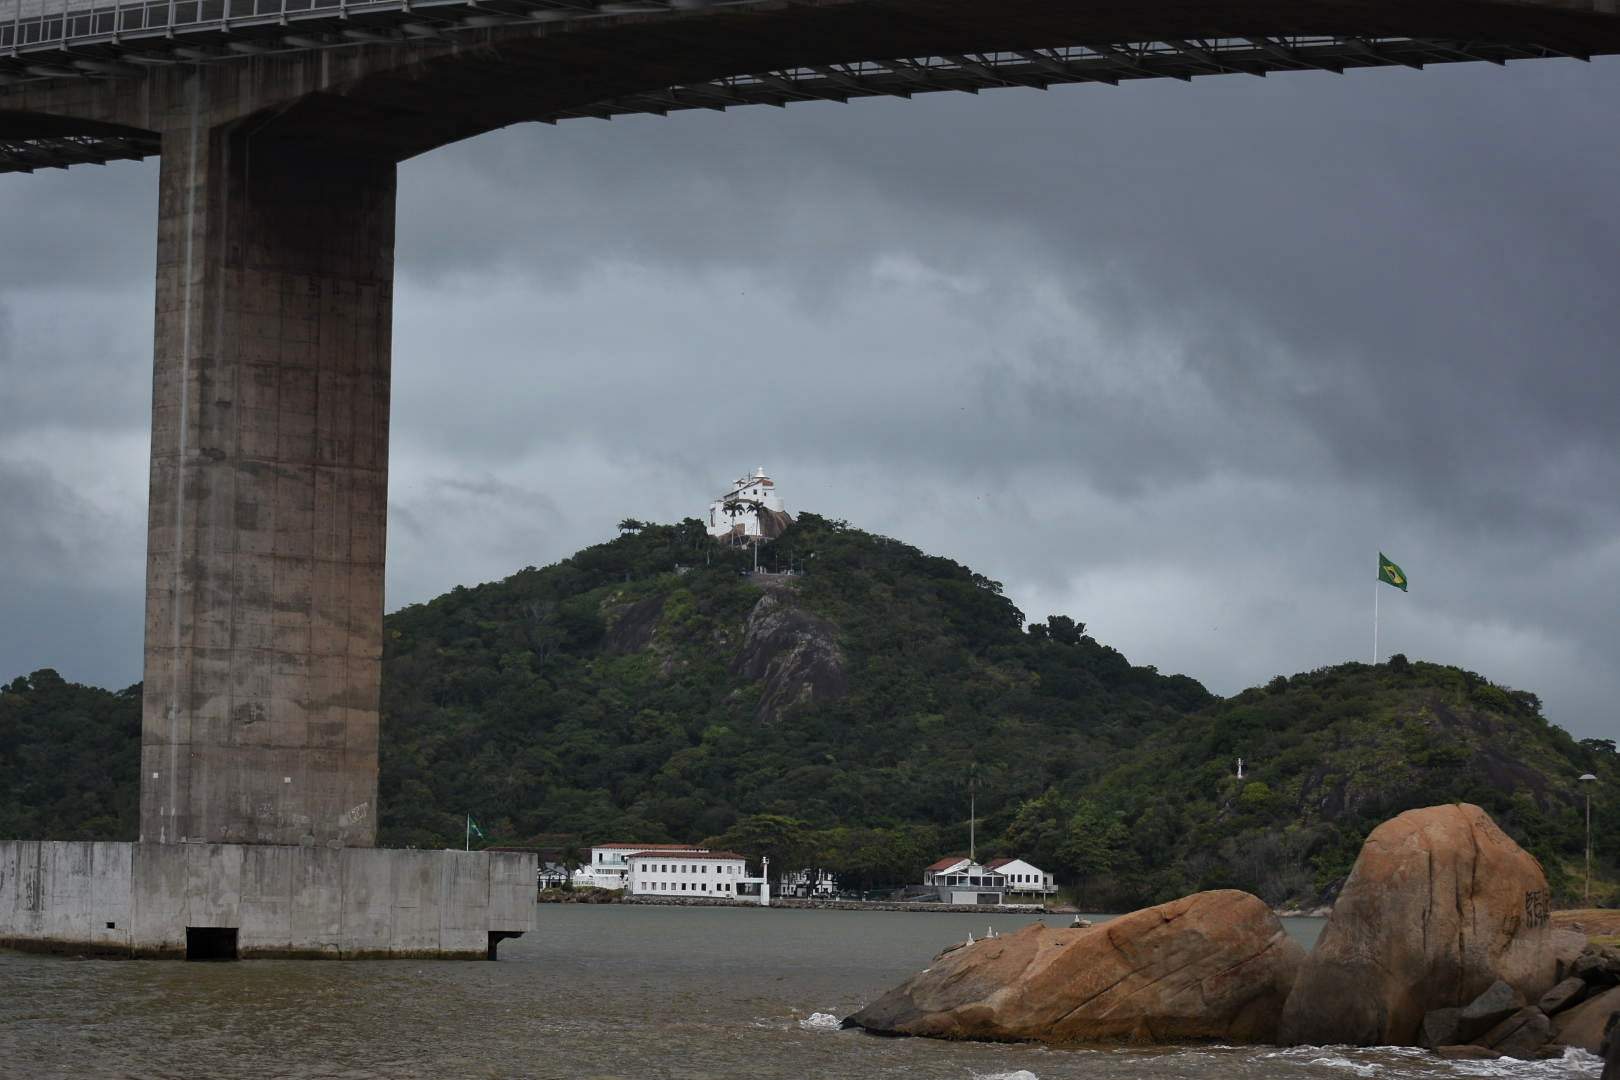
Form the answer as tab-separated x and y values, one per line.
648	689
548	703
1328	754
70	760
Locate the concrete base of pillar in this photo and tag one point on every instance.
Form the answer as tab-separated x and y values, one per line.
260	900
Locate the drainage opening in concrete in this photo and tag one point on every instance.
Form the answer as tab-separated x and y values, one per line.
210	943
498	936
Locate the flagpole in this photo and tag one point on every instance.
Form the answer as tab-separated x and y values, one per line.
468	845
1376	583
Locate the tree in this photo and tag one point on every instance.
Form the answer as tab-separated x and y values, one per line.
1064	630
572	857
1092	839
786	841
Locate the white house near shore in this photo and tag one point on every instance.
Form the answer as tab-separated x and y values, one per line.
681	870
959	880
609	863
946	865
711	874
808	884
1024	878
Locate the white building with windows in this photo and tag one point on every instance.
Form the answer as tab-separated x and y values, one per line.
1024	878
807	884
959	880
609	863
713	875
751	507
947	865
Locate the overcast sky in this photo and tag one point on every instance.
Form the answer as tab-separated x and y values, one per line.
1176	360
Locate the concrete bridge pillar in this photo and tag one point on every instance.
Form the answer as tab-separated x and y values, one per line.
268	499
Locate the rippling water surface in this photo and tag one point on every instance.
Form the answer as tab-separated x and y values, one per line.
640	993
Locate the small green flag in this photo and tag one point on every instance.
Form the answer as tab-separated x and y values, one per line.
1390	574
476	831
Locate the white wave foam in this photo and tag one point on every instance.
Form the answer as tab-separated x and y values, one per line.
821	1022
1574	1065
1018	1074
1358	1067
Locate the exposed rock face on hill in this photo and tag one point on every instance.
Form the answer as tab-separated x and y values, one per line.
634	625
772	524
793	653
1440	905
1214	965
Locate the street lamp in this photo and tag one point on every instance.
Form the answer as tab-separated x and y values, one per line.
1587	780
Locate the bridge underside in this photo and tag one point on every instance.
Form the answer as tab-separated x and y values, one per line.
406	77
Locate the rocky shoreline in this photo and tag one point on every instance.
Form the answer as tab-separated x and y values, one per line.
1441	938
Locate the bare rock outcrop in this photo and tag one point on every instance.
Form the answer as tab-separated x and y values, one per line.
1585	1024
633	625
1441	904
794	654
1211	966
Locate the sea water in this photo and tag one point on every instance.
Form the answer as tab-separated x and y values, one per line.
638	993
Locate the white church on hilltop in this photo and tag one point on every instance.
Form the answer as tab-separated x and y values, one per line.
751	508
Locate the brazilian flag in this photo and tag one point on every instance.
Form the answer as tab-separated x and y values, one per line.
1390	574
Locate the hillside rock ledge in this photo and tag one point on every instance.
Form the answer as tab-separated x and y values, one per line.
1211	966
1439	908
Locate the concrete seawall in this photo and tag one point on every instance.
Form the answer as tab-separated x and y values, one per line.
150	900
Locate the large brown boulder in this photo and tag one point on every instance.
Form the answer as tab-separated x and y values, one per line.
1583	1026
1215	965
1440	905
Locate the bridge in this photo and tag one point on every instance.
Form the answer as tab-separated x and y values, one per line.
457	67
280	125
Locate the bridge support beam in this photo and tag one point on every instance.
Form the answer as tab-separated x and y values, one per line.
268	498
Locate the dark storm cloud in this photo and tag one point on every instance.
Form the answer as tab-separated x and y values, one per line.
1177	359
80	227
1420	268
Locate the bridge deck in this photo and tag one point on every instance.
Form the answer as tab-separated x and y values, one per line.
43	40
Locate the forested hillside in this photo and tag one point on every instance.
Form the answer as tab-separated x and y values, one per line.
649	688
1328	755
614	694
70	759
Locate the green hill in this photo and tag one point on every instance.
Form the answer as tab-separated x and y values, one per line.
649	688
1328	755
